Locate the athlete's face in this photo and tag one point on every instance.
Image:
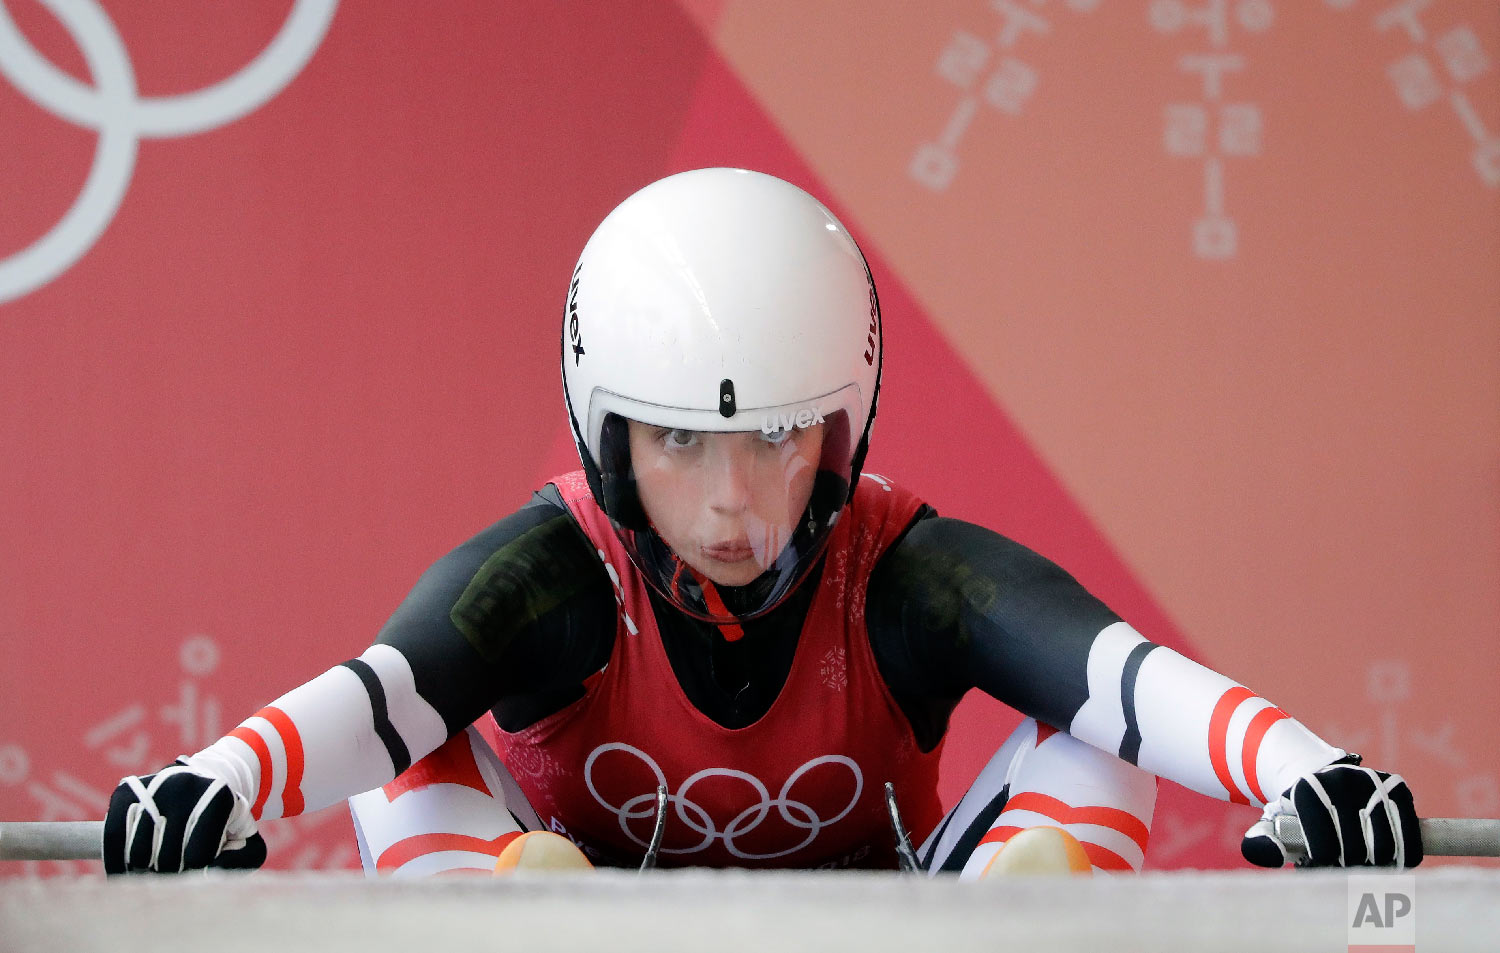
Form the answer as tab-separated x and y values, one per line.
725	502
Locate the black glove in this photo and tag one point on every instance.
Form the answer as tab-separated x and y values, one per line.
180	818
1351	816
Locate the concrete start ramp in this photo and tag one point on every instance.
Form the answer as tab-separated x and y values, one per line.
1447	909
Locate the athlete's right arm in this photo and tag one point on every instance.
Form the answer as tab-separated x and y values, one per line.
510	618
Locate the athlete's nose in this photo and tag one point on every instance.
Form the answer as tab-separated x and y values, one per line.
731	470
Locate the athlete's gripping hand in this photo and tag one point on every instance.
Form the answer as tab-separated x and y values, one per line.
1351	816
180	818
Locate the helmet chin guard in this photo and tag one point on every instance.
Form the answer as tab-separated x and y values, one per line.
721	353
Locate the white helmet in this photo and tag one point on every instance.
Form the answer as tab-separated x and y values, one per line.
721	301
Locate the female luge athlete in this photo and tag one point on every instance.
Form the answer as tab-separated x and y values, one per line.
722	604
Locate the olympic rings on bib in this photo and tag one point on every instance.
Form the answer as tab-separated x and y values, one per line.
795	813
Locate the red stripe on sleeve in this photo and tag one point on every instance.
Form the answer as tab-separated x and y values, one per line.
1104	858
1112	817
291	743
999	835
410	848
1256	733
1044	731
263	754
1218	739
451	763
1101	857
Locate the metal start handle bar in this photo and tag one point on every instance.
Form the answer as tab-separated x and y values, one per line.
83	840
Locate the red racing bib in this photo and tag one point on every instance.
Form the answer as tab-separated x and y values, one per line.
802	787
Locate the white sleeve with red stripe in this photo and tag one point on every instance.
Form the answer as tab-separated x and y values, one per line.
1182	721
1054	780
454	810
350	729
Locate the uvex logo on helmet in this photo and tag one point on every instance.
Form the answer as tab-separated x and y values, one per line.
874	322
802	418
574	335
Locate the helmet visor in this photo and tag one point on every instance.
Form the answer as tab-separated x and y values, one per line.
725	523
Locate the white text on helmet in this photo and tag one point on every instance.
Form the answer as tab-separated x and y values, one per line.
800	419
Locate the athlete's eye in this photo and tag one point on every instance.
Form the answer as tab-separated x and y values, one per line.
776	437
679	439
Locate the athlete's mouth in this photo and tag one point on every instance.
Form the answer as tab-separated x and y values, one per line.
729	552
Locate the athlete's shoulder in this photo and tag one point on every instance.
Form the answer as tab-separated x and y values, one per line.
518	568
543	523
938	546
950	562
521	607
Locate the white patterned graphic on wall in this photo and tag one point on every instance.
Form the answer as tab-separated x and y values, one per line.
1213	129
1004	82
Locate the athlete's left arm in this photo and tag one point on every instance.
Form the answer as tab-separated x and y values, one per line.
977	610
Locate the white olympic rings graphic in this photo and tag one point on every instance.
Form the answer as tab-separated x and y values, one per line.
796	813
114	109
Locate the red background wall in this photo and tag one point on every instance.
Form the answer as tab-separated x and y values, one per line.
1200	298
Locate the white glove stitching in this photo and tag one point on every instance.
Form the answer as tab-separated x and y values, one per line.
146	804
1381	798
